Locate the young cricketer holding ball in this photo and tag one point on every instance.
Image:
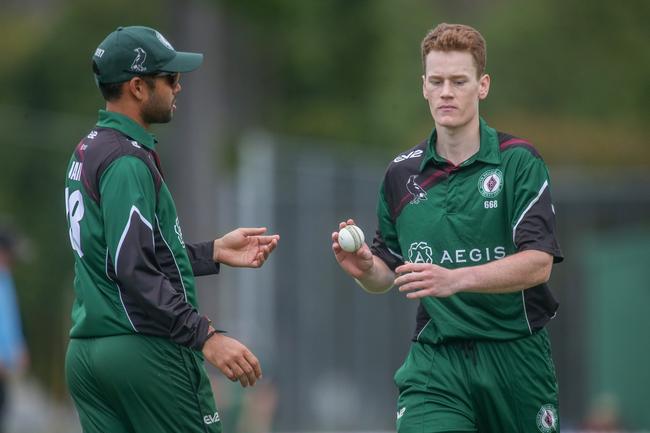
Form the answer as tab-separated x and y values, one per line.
467	227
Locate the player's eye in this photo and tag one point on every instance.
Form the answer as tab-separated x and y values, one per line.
172	78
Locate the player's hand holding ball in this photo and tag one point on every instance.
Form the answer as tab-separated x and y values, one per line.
350	249
351	238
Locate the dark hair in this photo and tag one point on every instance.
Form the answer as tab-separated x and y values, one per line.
112	91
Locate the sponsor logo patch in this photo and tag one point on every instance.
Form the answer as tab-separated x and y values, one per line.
420	252
490	183
547	419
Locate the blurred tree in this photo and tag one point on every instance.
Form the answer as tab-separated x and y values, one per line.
569	59
570	76
573	77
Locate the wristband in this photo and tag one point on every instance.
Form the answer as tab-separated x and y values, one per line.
210	334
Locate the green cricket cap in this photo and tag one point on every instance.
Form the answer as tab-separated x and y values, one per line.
136	50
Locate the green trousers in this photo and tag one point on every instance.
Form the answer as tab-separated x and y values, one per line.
139	384
479	386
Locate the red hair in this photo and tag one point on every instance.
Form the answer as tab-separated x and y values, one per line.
456	37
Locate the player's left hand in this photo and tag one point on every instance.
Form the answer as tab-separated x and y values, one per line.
425	279
245	247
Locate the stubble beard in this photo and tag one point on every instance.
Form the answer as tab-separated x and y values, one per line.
155	111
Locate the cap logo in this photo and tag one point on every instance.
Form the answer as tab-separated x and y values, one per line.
99	52
164	41
138	62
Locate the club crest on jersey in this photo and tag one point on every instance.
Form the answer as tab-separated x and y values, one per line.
138	62
418	194
490	183
420	252
547	419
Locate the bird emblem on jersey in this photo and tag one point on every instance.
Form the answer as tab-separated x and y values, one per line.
416	190
138	62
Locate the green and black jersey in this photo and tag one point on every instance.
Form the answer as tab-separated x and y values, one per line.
134	273
495	204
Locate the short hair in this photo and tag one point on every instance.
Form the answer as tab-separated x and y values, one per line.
110	91
113	91
456	37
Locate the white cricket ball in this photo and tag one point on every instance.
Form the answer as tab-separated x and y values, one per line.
351	238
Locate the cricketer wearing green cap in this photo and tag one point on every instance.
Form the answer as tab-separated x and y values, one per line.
138	342
137	50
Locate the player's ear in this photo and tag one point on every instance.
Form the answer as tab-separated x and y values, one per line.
424	85
483	86
138	88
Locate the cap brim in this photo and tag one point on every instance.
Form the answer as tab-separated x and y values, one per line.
183	62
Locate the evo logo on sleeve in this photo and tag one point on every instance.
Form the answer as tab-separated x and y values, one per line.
412	154
211	419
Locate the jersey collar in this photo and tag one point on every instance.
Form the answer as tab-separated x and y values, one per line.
488	151
127	126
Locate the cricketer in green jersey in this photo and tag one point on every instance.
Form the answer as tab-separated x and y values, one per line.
138	342
466	226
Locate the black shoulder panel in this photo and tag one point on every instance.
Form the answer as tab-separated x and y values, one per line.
402	171
100	148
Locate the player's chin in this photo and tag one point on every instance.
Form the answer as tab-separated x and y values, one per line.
166	115
447	121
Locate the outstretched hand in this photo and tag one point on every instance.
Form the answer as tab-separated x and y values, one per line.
244	247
